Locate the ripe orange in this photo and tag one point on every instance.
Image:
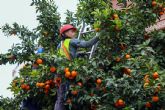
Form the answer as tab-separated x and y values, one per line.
27	87
127	56
115	16
127	71
39	61
148	105
74	74
74	92
161	13
118	59
47	87
121	103
99	81
67	74
155	75
154	3
23	86
97	29
155	98
42	85
80	84
38	84
66	70
52	69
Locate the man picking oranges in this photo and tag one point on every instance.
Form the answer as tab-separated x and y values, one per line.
68	49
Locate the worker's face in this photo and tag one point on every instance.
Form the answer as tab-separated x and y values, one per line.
70	33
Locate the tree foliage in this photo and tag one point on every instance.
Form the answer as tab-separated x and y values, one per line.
126	71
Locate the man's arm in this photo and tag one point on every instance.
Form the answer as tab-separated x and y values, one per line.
84	44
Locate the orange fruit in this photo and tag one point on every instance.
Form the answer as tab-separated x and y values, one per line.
99	81
155	75
66	70
155	98
161	13
38	84
47	87
39	61
80	84
74	92
73	73
121	103
148	105
115	16
97	29
23	86
118	59
127	56
67	74
42	85
52	69
154	3
127	71
27	87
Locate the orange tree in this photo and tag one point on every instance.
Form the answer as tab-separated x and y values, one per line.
126	72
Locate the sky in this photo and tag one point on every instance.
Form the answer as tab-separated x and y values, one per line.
21	12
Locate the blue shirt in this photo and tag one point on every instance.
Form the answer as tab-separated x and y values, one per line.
76	43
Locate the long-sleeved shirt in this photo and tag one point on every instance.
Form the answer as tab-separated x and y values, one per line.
76	43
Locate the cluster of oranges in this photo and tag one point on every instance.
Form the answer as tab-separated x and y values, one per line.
154	99
155	76
119	103
25	87
127	56
160	7
70	74
46	86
